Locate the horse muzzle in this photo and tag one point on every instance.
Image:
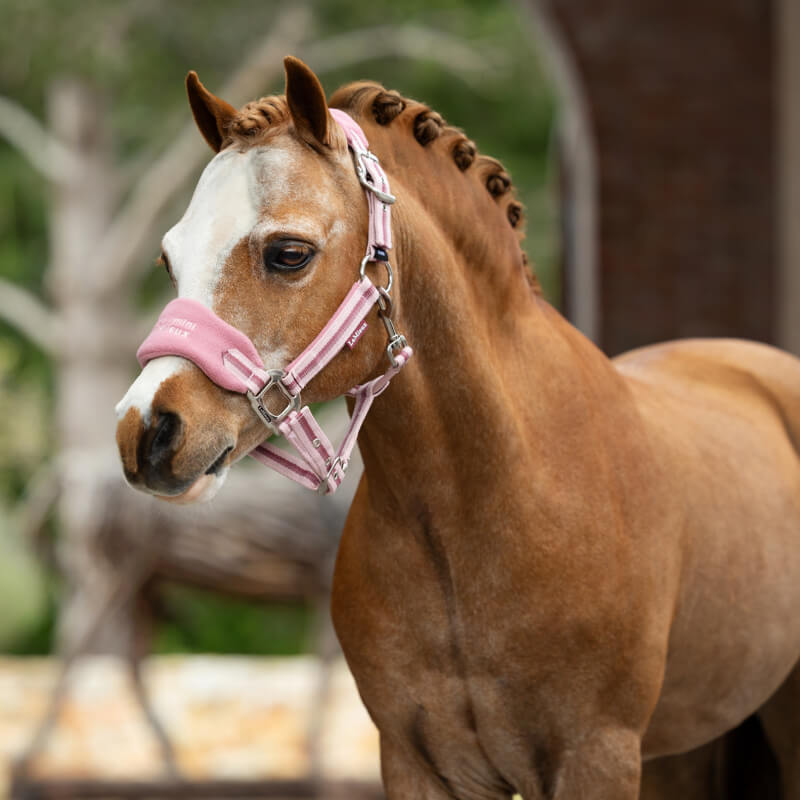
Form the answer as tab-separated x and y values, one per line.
171	453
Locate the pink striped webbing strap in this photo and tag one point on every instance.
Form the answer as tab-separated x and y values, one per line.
375	183
320	466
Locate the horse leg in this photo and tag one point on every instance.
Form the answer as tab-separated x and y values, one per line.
780	716
689	776
739	765
604	765
405	776
411	774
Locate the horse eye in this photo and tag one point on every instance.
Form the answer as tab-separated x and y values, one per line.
287	256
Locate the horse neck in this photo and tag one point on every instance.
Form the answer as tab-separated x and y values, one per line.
495	369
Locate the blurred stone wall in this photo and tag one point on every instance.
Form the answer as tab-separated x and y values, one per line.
228	717
681	97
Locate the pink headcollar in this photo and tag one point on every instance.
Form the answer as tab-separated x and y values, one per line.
227	356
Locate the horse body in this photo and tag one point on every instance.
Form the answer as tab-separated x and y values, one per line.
629	544
725	416
555	564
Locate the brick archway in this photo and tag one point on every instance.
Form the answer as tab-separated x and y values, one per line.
679	98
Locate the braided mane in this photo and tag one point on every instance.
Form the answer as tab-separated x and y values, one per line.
260	120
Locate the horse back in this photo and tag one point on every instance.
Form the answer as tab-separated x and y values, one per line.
727	372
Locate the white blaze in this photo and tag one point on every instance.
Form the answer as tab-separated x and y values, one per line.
232	202
143	389
223	210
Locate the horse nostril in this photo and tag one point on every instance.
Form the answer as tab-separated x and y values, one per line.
162	442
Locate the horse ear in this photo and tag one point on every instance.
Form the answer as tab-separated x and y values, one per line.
307	105
211	114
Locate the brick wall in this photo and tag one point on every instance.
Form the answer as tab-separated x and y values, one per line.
681	100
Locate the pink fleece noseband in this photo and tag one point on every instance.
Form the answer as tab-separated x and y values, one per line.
228	357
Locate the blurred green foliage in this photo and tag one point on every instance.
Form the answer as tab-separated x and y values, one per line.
23	591
201	622
137	52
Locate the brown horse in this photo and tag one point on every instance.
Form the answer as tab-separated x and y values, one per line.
555	565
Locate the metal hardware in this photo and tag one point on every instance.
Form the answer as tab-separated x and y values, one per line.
385	302
364	177
398	342
368	259
316	443
391	331
337	462
257	400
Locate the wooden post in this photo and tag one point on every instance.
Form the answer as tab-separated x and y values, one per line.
787	31
682	107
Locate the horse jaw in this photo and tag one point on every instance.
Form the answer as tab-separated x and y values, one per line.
202	490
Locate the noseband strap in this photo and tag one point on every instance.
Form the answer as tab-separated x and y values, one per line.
229	358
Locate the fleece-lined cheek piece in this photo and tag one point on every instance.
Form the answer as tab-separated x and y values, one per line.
187	328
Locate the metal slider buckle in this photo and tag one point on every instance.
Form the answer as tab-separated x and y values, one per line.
363	177
257	400
337	462
397	342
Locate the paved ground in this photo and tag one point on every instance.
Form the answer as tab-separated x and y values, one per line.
228	717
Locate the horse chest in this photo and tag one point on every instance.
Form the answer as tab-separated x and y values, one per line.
433	665
397	615
412	668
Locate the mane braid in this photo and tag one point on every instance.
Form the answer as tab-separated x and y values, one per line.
257	121
368	99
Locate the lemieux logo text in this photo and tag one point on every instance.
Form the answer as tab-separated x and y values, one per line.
356	334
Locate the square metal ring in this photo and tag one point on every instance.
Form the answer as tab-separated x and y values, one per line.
257	400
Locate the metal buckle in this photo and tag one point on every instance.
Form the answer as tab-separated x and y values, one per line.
337	462
257	400
397	342
363	177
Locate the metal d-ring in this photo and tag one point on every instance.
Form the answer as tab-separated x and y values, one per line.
369	259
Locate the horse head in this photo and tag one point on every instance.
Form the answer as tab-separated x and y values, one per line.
270	243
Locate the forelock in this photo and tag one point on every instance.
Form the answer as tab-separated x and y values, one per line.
257	122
